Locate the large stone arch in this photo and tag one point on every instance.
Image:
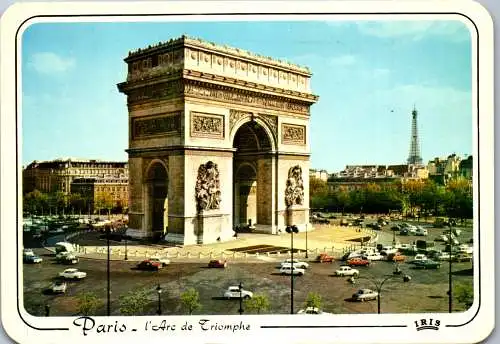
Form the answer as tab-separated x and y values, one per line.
189	101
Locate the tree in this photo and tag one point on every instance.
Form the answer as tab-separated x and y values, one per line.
88	303
190	299
313	300
104	201
464	294
258	303
76	201
134	302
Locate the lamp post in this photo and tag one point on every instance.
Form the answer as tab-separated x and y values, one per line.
47	310
108	230
291	230
241	299
379	283
158	290
126	239
450	283
307	254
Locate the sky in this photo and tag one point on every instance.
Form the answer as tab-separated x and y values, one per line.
368	75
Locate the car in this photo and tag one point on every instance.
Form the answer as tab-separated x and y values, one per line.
462	257
288	269
32	259
312	310
346	271
58	287
421	231
28	252
235	292
149	265
396	257
442	255
162	260
73	274
358	261
419	257
373	256
325	258
346	223
386	250
365	295
426	264
217	263
404	231
67	258
296	263
464	248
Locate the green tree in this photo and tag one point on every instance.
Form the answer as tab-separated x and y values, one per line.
258	303
190	299
76	202
134	302
88	303
464	294
313	300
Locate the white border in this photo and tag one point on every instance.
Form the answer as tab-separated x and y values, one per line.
475	331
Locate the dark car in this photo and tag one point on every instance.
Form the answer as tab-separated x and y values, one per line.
404	231
149	265
426	264
217	264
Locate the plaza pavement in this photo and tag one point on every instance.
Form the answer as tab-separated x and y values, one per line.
322	238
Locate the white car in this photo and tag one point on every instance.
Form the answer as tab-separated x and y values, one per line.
58	287
465	249
288	269
234	292
346	271
408	247
374	256
73	274
28	252
162	260
421	231
297	263
365	295
312	310
419	257
387	250
442	256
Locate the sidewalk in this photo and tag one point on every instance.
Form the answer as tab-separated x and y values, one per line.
330	239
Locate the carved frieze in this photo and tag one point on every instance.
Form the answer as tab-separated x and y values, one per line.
244	98
235	116
207	125
293	134
157	125
166	90
207	189
294	192
271	121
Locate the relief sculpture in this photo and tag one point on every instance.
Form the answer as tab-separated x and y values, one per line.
155	126
207	188
294	192
207	125
294	134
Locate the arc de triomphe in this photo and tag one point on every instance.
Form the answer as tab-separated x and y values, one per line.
218	138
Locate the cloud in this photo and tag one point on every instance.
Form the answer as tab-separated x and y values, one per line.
50	63
343	60
415	30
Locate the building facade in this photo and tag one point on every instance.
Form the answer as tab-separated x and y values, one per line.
102	192
319	174
58	175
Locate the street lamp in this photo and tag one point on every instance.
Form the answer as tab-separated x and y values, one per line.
450	283
47	310
126	239
307	255
241	299
291	230
158	290
379	283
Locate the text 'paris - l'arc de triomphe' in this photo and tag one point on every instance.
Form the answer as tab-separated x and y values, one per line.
218	138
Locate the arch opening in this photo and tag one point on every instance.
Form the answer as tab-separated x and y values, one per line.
252	176
157	198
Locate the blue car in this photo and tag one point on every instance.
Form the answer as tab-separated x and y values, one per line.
32	259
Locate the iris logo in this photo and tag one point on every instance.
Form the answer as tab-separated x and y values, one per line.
427	324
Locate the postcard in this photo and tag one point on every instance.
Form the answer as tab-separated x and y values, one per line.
220	172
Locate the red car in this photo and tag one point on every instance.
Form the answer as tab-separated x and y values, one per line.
324	258
218	264
149	265
396	257
358	262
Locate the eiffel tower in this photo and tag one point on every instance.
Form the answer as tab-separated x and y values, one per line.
414	157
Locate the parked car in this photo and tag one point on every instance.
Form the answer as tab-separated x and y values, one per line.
374	256
234	292
296	263
73	274
462	257
32	259
426	264
358	261
288	269
325	258
58	287
365	295
396	257
421	231
312	310
162	260
217	263
149	265
346	271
